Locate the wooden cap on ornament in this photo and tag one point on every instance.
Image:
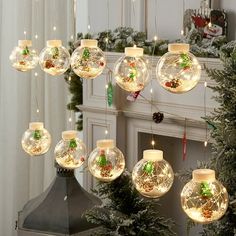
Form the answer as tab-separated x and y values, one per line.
24	43
134	51
153	155
178	47
105	143
201	175
89	43
54	43
36	125
69	134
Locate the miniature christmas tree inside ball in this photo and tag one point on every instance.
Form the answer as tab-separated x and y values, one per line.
178	71
153	176
23	57
70	152
36	140
106	162
204	199
88	61
131	70
54	59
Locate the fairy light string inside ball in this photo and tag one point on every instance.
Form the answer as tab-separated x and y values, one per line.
36	140
178	71
88	61
131	70
54	59
152	176
106	162
70	152
204	199
24	57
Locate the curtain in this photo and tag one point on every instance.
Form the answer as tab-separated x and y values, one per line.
22	177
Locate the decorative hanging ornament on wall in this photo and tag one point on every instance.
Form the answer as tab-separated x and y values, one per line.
36	140
131	71
106	162
153	176
70	152
23	57
178	71
204	199
54	59
88	61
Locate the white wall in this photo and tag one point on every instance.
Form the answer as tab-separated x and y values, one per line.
169	15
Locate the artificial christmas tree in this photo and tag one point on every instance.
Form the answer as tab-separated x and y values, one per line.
125	212
222	123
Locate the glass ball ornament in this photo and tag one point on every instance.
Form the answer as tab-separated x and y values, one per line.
131	71
70	152
88	60
36	140
178	71
23	57
106	162
152	176
204	199
54	59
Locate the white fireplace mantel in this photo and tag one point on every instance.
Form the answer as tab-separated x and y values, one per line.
124	120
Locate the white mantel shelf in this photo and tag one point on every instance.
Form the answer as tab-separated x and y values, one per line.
125	119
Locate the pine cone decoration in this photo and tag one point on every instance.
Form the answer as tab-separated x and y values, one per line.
157	117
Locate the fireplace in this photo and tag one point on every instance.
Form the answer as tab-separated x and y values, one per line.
131	125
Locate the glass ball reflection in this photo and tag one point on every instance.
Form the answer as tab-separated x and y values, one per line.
88	61
178	71
106	162
54	59
23	57
204	199
131	70
36	140
152	176
70	152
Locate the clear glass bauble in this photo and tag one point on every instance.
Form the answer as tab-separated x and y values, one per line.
36	140
152	176
23	57
131	71
88	61
70	152
178	71
106	162
204	199
54	59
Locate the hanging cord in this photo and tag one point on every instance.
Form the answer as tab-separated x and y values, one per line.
182	32
36	94
205	115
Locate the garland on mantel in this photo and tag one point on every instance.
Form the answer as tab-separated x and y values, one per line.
124	37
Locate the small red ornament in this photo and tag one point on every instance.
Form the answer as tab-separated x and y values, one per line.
101	63
168	84
82	159
132	64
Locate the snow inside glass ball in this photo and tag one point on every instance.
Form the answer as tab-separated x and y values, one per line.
153	176
88	61
204	199
131	70
36	140
106	162
54	59
70	152
178	71
23	57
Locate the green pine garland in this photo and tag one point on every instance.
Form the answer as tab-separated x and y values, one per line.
125	212
127	37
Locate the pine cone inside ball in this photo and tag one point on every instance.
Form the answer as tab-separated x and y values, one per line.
157	117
